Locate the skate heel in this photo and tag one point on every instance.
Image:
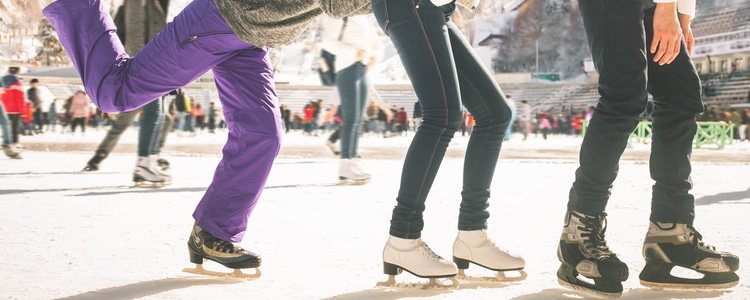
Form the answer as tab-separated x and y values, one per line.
391	269
461	263
196	258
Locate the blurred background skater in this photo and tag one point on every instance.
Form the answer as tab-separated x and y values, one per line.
14	102
150	170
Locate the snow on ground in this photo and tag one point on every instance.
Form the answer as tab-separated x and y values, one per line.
76	235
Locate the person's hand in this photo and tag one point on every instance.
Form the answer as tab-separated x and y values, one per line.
667	34
361	55
687	33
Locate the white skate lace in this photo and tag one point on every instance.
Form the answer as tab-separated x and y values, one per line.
698	239
424	249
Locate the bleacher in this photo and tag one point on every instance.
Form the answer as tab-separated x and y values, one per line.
732	90
721	22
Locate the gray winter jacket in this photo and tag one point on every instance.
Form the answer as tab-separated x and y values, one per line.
274	23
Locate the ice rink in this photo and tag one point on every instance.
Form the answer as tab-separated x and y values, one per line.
67	234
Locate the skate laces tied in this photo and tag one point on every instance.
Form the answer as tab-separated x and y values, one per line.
595	229
422	247
698	239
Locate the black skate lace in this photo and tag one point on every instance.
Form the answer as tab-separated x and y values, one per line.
226	247
594	230
698	239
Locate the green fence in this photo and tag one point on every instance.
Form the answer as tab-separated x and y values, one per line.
709	133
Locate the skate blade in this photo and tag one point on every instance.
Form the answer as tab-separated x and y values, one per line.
237	274
432	284
688	286
149	184
588	292
353	181
500	277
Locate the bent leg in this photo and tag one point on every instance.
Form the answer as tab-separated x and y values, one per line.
117	82
248	96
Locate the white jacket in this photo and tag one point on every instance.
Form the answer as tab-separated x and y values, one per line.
686	7
346	41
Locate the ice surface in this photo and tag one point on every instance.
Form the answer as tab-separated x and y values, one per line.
93	236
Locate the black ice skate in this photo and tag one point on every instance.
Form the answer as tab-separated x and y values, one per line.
583	250
163	164
93	163
671	244
202	245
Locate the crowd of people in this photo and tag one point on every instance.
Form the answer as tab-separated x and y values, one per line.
379	120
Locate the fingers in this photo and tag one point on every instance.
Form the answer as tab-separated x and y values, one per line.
665	48
659	48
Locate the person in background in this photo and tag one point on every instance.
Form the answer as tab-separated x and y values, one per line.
79	110
544	124
6	135
524	118
745	120
402	121
213	116
28	119
15	105
33	94
286	117
181	104
52	116
200	117
417	115
509	130
354	42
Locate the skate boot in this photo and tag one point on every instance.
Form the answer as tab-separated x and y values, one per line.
358	167
146	173
93	164
163	164
415	257
202	245
476	248
333	147
672	244
348	173
583	250
10	152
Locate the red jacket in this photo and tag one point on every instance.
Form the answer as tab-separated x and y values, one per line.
14	99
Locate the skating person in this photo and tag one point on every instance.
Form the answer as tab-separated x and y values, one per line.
147	171
643	47
354	43
5	131
79	110
33	95
14	101
197	40
444	70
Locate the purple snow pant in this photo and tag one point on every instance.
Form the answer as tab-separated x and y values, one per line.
196	41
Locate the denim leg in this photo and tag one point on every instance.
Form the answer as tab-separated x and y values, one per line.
4	125
616	36
676	89
484	99
151	128
420	35
348	86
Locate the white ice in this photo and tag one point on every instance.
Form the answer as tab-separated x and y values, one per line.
93	236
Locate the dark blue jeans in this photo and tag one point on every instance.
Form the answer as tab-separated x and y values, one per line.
619	34
444	70
351	83
151	129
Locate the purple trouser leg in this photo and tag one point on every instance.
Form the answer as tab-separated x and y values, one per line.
197	40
